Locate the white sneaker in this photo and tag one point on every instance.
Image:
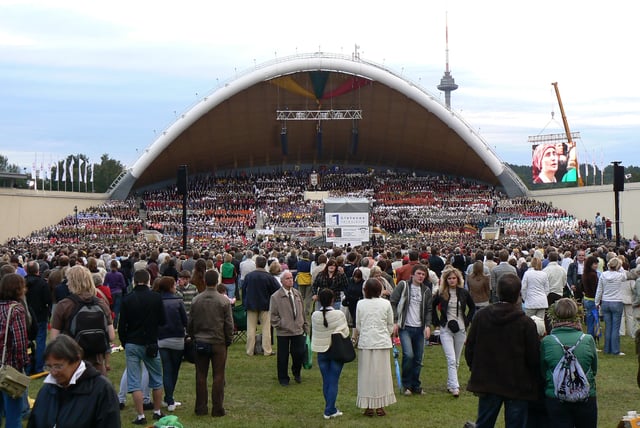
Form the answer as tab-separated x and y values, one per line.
175	404
335	415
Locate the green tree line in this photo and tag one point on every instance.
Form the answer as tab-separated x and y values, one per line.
104	172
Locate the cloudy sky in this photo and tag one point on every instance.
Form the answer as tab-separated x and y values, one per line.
106	77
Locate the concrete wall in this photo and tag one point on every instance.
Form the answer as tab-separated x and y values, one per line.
584	202
24	211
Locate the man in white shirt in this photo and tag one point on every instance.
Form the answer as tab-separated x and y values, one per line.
557	278
412	311
319	267
364	268
246	266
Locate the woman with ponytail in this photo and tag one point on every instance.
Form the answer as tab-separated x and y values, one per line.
325	322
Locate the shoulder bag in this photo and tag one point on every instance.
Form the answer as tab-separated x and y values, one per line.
12	382
341	349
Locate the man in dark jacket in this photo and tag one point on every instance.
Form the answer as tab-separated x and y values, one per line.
257	288
510	376
39	299
141	314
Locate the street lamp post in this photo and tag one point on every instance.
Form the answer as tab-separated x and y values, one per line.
618	186
75	211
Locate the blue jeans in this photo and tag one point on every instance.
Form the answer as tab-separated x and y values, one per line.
117	302
231	290
612	313
515	411
41	343
146	392
171	360
330	371
412	341
589	306
12	411
136	356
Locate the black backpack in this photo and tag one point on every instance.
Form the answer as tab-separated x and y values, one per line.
88	326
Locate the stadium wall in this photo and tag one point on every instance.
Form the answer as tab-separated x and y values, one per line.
584	202
24	211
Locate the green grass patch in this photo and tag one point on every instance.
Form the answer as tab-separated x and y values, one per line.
254	398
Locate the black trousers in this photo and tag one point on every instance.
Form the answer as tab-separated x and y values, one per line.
293	345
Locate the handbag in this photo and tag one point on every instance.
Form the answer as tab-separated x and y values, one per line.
151	350
453	326
204	348
307	362
341	349
189	353
12	381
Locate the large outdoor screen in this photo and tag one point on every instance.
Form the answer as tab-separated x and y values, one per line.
554	163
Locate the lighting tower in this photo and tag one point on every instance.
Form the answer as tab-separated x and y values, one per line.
447	83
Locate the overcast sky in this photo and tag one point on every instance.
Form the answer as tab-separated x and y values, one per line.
106	77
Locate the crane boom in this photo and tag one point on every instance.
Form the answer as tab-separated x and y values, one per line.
564	116
570	143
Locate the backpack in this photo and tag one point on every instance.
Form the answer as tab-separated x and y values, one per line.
88	326
570	383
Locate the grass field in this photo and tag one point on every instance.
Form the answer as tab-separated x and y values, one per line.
254	398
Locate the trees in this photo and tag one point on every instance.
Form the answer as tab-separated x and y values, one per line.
105	172
5	166
78	174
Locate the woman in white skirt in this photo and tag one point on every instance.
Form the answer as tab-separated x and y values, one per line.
374	325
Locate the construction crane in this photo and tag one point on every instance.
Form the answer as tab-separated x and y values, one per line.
571	145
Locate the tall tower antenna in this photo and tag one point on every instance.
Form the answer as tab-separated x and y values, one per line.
447	83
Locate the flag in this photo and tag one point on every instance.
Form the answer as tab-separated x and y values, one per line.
54	175
64	170
71	165
80	164
86	166
93	167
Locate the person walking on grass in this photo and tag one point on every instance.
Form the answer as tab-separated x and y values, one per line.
503	354
374	326
324	323
412	310
287	317
141	314
211	326
257	288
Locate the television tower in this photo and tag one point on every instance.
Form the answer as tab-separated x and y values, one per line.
447	83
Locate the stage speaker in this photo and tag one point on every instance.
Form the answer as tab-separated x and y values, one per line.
618	178
181	182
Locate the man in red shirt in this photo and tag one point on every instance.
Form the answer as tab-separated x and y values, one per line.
403	273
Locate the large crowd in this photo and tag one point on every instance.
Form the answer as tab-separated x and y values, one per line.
432	222
223	211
